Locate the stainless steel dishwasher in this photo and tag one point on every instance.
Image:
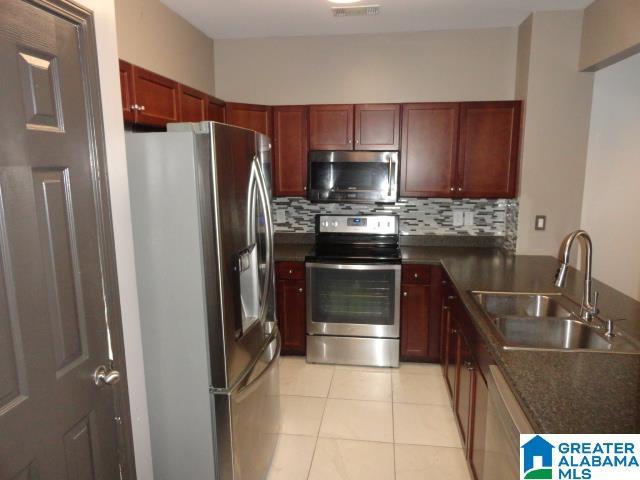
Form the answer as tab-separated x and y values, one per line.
505	422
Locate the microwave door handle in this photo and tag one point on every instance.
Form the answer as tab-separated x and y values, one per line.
390	168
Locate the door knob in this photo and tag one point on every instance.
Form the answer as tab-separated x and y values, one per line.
106	376
300	290
404	294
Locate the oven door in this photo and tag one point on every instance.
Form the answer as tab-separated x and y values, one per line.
353	299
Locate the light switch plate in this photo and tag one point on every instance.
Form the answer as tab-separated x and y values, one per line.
468	218
458	218
541	222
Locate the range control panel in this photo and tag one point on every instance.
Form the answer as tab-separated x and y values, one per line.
365	224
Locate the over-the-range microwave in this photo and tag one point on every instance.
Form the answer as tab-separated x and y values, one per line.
348	176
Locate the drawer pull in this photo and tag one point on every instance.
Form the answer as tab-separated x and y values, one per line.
300	290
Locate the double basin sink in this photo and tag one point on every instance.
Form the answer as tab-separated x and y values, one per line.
548	321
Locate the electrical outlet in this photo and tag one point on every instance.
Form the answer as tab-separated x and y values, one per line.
458	218
468	218
541	222
280	216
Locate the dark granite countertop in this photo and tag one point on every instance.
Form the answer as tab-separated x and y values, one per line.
561	392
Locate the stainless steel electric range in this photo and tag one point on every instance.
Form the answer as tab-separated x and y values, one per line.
353	285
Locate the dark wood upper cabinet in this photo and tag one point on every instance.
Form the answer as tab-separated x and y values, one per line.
429	149
215	110
331	127
193	104
126	90
488	149
377	127
290	149
254	117
155	98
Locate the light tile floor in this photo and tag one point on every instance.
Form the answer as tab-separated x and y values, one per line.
359	423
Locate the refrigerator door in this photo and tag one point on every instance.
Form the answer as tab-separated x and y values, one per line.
247	419
238	244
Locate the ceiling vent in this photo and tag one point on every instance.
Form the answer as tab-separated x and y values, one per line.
356	11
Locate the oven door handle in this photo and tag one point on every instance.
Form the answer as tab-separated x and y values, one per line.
342	266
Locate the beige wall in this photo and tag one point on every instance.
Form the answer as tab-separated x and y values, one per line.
105	23
423	66
557	105
152	36
611	32
611	205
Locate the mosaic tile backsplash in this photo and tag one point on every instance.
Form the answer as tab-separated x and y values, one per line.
418	216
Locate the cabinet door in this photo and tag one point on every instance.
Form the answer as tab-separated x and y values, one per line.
291	307
414	332
126	71
331	127
451	361
429	149
377	127
156	97
478	423
291	146
254	117
464	388
193	104
215	110
488	149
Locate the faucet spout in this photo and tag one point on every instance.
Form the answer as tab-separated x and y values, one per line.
588	309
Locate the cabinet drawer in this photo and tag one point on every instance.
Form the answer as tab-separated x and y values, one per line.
290	271
415	274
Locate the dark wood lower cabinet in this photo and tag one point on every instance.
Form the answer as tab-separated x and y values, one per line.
451	356
414	335
291	307
464	388
478	423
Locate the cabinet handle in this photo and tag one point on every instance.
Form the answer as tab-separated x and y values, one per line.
453	188
305	188
451	297
459	188
404	294
142	108
444	282
134	107
445	308
415	275
290	272
300	290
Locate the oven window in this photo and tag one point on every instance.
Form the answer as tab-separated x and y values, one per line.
347	176
365	297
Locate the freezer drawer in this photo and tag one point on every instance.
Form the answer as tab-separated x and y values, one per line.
248	419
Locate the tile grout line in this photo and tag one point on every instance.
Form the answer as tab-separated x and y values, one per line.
324	410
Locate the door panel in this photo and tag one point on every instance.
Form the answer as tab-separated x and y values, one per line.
377	127
291	316
126	82
215	111
464	389
156	97
291	148
56	276
429	149
57	228
331	127
414	335
253	117
489	139
193	105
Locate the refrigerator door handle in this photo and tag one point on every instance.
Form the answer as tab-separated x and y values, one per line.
273	349
257	180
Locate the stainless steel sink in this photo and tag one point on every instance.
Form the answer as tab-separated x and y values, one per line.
547	321
524	304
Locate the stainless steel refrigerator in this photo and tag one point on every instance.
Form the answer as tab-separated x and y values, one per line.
203	237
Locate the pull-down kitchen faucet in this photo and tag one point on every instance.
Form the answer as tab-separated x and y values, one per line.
589	308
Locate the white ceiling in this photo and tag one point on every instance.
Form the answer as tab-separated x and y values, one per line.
268	18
